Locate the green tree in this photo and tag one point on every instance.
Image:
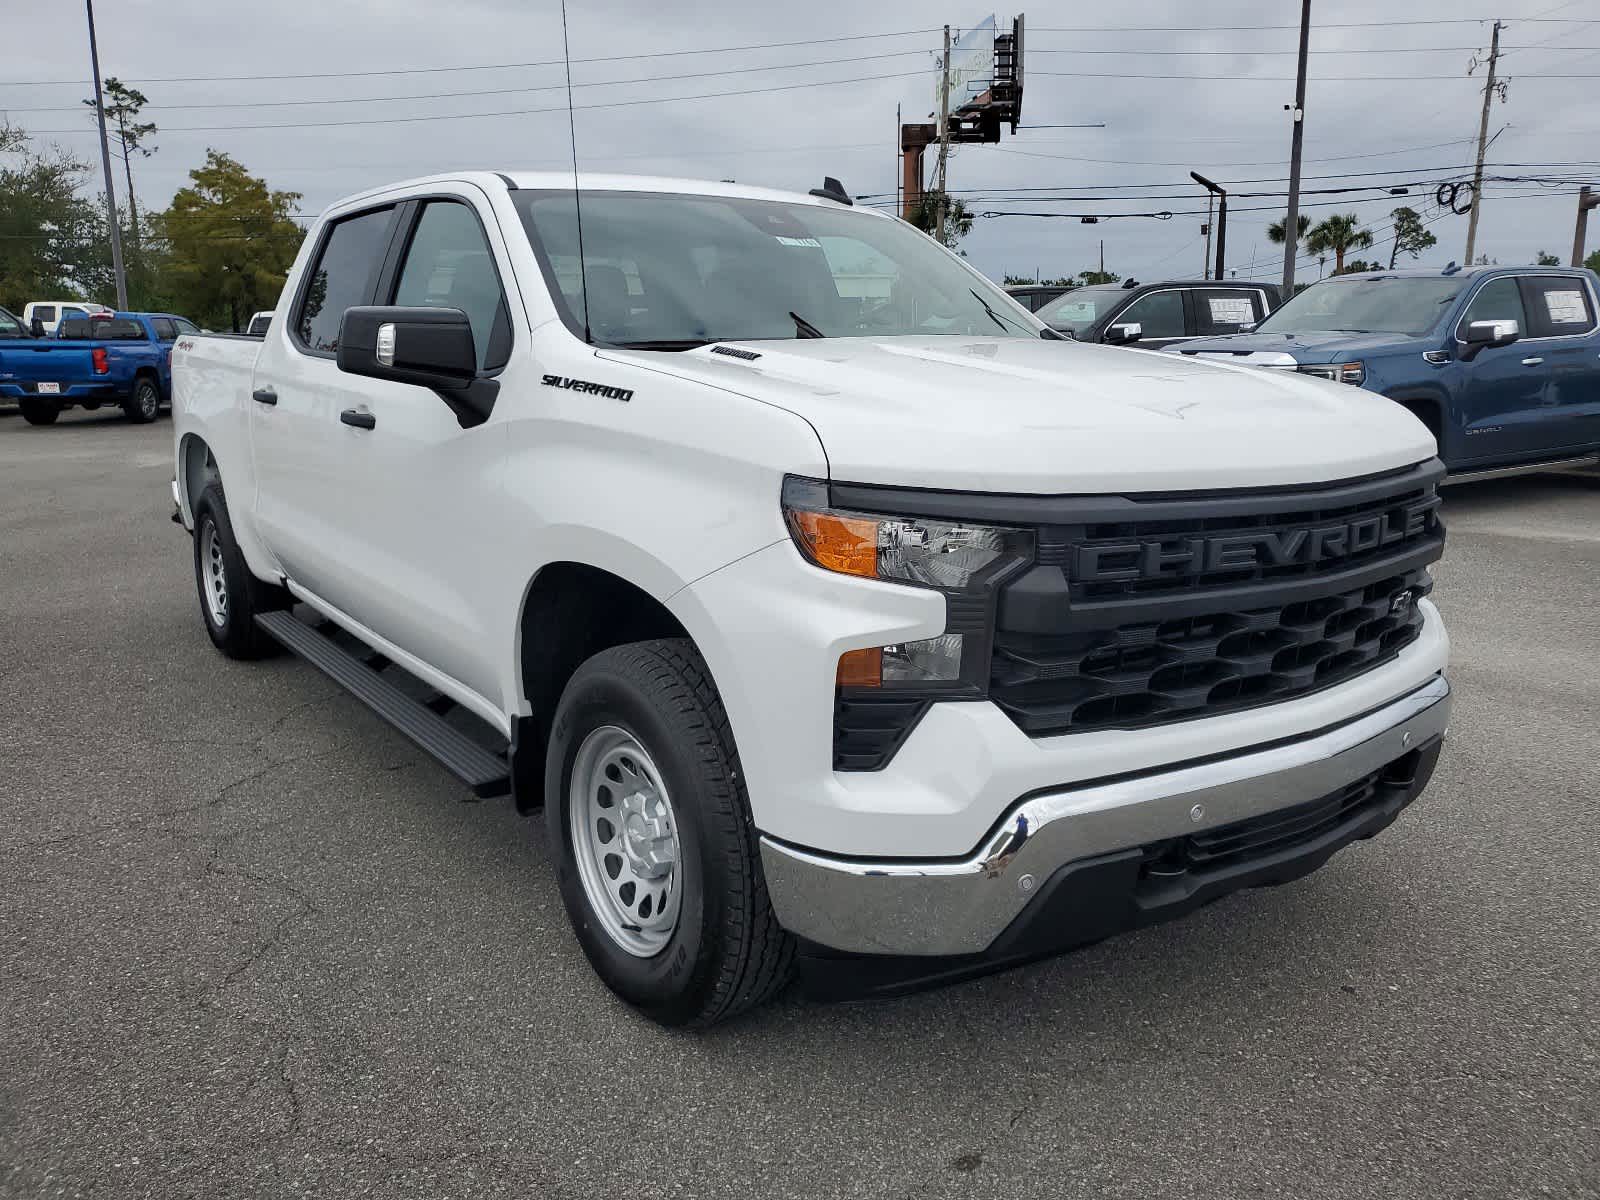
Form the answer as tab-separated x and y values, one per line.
1090	278
957	217
1546	259
1593	261
1275	230
1339	233
123	106
50	235
1356	265
231	242
1409	234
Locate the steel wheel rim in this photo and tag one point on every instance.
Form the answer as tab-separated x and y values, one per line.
213	575
149	402
625	841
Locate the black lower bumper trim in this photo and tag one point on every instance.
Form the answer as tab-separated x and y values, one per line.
1095	898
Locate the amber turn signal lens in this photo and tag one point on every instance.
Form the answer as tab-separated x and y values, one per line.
861	668
845	544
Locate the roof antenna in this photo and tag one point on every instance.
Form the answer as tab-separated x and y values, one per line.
577	198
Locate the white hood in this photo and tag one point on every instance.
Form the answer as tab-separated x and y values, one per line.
1020	415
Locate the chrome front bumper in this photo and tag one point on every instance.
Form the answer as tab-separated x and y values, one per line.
960	907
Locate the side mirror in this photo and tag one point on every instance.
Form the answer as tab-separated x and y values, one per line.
426	347
1248	327
36	328
1121	335
1488	335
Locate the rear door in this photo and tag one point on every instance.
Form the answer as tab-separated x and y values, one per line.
1501	399
304	496
1564	347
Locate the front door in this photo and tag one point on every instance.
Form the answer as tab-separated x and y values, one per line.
1159	316
1502	398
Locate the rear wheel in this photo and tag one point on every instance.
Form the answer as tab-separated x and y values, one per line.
39	412
144	405
230	596
656	854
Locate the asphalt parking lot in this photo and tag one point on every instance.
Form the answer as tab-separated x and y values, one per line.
252	944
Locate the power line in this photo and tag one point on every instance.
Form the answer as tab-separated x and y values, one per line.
1135	162
549	87
1143	53
1320	25
514	112
1291	79
548	62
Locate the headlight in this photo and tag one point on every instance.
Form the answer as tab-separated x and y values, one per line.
955	557
1350	372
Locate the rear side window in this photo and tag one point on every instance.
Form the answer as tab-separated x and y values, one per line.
1225	310
449	265
118	329
166	329
1498	300
341	277
1557	306
1159	314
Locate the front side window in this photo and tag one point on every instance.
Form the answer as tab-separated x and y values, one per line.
166	329
342	277
449	265
1158	315
1411	305
45	313
185	326
10	327
1497	300
668	272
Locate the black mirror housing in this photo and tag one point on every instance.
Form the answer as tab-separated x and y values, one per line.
425	347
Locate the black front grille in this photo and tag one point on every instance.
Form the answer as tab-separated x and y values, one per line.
1198	606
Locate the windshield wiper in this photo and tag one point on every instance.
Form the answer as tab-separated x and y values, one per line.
994	316
804	328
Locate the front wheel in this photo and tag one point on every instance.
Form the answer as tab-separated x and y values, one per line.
145	404
39	412
656	854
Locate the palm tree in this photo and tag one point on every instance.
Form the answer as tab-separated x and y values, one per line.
1339	233
1275	231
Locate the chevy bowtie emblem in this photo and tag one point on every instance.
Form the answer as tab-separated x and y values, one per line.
1400	603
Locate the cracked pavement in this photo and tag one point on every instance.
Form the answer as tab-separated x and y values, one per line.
252	945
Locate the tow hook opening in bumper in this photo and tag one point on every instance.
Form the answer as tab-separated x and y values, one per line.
1072	866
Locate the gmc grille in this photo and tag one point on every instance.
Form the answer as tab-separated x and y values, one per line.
1212	604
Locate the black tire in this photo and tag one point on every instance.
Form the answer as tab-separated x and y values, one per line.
727	952
144	405
235	633
39	412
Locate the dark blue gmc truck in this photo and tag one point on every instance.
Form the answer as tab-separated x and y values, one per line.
1501	363
108	358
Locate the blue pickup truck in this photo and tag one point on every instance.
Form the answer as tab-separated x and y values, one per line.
1501	363
111	358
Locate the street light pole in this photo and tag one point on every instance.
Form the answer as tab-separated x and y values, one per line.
105	164
1221	193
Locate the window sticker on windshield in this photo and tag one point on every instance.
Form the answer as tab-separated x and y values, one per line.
1566	307
1230	310
801	241
1078	310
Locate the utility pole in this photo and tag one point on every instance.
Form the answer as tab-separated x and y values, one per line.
1291	223
1587	198
1102	259
1221	193
944	133
105	164
1205	263
898	203
1483	141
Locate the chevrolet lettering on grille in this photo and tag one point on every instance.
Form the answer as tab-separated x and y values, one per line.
1173	558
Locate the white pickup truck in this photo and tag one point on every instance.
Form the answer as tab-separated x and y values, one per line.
838	616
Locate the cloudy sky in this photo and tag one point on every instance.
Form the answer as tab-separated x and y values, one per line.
1178	86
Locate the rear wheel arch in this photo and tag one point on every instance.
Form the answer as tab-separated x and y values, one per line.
571	611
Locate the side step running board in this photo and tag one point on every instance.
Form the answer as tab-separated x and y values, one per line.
486	773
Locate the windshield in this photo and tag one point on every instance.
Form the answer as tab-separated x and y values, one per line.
1080	308
1390	304
670	271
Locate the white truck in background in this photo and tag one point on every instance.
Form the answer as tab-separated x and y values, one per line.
887	637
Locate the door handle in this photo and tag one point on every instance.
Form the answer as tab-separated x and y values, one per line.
361	420
264	395
1532	362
